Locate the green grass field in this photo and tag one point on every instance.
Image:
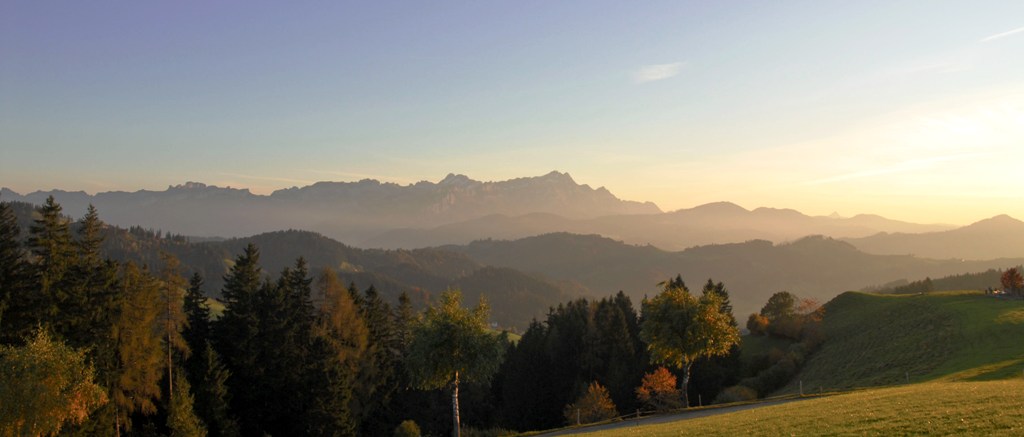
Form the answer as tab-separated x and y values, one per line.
963	352
938	408
875	340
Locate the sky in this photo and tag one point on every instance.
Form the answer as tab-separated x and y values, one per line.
913	110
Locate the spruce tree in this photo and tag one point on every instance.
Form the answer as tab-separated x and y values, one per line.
285	325
212	398
197	314
377	380
53	254
90	287
15	300
236	334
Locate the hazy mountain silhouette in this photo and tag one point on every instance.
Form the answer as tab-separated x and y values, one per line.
997	237
816	267
720	222
351	211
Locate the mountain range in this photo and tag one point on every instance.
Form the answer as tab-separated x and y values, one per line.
459	210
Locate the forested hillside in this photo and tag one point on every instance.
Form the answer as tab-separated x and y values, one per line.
817	267
421	273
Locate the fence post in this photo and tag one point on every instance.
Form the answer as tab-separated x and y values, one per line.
577	416
908	377
700	401
801	388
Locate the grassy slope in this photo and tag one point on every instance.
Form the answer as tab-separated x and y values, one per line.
966	347
975	408
877	340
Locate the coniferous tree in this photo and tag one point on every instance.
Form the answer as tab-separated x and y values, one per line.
134	380
53	254
612	352
15	300
181	417
91	286
212	399
377	381
340	339
197	314
529	396
172	317
236	334
285	328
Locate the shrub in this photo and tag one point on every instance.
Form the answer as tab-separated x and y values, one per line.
658	390
407	428
593	406
736	393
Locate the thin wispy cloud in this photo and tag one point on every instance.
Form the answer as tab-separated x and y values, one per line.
654	72
1002	35
901	167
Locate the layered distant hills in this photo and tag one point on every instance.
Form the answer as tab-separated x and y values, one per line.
816	267
459	210
531	243
998	237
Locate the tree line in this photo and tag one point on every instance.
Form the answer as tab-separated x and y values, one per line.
141	352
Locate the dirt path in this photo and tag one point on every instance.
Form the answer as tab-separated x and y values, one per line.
686	415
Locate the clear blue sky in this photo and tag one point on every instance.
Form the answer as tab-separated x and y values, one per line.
910	109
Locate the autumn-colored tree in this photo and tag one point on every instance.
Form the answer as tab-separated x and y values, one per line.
594	405
173	318
340	339
137	336
658	390
1012	281
679	328
757	324
45	385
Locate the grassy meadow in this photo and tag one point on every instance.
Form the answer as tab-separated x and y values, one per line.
937	408
963	353
877	340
